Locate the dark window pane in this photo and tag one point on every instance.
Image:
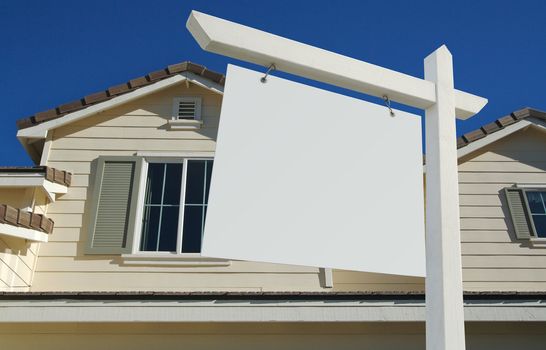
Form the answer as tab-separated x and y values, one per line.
209	174
540	225
169	228
195	182
154	186
172	184
535	202
150	226
193	219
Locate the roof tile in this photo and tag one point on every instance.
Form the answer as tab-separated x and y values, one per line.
46	115
96	97
491	127
158	74
118	89
138	82
506	120
461	142
70	106
474	135
177	68
521	114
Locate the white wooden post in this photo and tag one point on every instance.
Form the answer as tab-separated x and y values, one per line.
444	291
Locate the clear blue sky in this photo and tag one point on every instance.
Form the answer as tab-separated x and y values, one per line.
53	52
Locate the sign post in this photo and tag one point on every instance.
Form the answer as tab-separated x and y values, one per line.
442	104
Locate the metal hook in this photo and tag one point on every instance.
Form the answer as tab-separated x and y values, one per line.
388	104
269	70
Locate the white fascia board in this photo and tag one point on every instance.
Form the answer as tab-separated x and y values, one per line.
488	139
248	44
19	180
16	180
22	232
204	82
17	311
40	130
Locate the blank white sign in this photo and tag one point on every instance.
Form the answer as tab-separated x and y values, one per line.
308	177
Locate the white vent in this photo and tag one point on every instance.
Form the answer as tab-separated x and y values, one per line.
187	108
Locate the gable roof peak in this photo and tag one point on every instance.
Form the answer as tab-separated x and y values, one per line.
120	89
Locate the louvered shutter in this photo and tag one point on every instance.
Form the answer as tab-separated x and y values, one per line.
187	108
519	212
113	206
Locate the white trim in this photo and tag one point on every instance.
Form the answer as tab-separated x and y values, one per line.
184	124
248	44
328	277
47	148
180	154
28	311
171	259
51	189
23	232
40	130
531	185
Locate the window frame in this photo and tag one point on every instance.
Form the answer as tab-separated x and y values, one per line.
137	234
534	235
195	99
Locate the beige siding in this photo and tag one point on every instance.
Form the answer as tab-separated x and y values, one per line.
133	127
492	258
266	335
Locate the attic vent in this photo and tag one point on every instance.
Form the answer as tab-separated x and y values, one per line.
187	108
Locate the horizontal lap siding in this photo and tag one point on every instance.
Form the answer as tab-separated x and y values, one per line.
122	131
492	258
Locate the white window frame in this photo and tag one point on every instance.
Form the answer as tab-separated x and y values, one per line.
195	99
140	206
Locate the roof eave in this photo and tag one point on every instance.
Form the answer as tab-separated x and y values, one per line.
40	130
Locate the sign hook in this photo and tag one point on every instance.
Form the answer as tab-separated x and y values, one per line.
271	68
388	104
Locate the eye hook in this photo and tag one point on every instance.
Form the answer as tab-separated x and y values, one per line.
271	68
388	104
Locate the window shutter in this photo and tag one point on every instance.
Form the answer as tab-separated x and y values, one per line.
113	206
519	212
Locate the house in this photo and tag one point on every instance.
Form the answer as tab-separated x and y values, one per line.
99	243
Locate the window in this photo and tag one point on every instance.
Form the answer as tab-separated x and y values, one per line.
175	205
537	208
149	205
187	108
528	211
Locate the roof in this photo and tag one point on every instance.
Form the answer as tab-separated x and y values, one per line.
119	90
23	218
281	295
499	125
51	174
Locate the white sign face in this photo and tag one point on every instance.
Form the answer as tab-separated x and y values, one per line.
305	176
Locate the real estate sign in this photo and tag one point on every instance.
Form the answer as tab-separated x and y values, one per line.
309	177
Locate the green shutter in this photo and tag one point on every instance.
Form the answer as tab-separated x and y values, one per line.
519	212
113	206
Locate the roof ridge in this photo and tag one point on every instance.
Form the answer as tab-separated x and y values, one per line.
120	89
